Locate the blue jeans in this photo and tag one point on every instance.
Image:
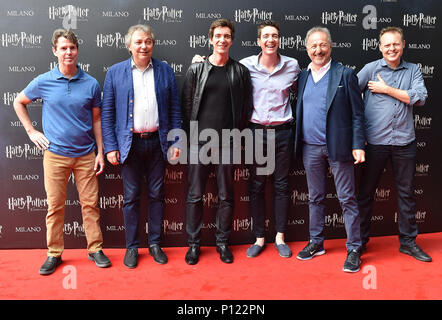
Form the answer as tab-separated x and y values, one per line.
316	161
144	165
403	160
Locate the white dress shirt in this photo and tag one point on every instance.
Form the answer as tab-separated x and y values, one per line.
317	75
145	100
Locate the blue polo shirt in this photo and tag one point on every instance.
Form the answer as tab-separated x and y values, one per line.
67	110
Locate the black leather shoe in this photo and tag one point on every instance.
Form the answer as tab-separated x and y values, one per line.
131	258
158	255
193	254
415	252
224	253
100	259
50	265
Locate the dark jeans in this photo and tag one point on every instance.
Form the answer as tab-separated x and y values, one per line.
316	161
197	178
283	155
144	165
403	160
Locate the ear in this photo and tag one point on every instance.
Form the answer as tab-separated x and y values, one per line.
53	51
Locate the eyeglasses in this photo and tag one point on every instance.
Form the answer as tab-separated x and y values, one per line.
323	46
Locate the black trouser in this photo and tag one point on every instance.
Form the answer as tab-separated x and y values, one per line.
403	160
283	156
197	178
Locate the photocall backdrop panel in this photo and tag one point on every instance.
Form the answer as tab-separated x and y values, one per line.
181	30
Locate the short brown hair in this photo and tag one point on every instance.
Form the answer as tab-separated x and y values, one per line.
222	23
391	29
267	23
68	34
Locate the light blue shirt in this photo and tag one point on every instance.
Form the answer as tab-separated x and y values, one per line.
67	110
389	121
271	91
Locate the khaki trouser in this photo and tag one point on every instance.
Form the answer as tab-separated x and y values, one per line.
56	174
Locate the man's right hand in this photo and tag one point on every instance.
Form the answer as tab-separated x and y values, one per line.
198	58
113	157
39	139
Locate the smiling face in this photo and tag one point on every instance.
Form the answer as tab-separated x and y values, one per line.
141	47
66	52
319	49
221	40
392	47
269	40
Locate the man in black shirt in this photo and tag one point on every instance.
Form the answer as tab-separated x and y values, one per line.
216	94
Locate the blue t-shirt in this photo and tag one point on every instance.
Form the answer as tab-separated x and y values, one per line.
67	110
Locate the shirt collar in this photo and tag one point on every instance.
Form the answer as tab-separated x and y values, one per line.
402	65
58	75
133	65
282	61
323	69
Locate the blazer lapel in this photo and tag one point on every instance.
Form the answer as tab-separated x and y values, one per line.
333	82
128	78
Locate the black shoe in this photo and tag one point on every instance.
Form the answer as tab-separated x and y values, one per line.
131	258
158	255
50	265
225	254
352	262
193	254
100	259
310	250
415	252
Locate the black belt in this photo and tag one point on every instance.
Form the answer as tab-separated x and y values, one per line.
286	125
146	135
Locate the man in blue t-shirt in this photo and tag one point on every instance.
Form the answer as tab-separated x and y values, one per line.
71	133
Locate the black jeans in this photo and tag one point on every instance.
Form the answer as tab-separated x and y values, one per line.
403	160
197	179
283	155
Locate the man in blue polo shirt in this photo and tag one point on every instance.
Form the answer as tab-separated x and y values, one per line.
71	134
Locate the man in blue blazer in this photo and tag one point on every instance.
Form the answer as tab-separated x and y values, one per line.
140	106
330	132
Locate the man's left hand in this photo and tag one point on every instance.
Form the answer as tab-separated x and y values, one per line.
99	164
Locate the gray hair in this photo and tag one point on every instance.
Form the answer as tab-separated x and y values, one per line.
143	27
318	29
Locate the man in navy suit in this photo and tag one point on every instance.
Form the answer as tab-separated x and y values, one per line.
330	132
140	106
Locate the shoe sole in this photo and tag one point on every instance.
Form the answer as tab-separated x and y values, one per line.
350	270
105	265
410	254
319	253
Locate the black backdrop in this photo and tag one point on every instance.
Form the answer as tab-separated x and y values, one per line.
181	28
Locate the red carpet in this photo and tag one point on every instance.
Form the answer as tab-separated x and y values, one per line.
388	275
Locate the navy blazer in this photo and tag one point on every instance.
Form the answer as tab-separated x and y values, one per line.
345	113
118	101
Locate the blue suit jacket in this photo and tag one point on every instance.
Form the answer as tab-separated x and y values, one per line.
345	113
118	101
